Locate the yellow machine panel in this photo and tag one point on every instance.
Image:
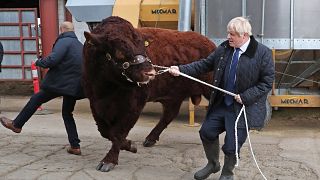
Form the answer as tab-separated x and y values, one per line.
127	9
295	101
159	13
150	13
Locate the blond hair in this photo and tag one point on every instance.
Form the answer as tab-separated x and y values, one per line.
66	26
239	25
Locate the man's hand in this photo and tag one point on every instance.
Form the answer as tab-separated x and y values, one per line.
37	61
174	70
238	98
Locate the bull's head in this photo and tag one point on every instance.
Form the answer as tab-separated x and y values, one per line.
121	48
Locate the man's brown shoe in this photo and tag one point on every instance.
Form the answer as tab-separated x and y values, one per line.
8	123
74	150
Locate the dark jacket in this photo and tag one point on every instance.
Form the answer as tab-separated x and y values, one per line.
65	66
1	54
255	74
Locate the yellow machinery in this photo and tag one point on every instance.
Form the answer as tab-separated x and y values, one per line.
303	96
141	13
149	13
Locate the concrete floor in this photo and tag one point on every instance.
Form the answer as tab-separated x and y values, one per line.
287	149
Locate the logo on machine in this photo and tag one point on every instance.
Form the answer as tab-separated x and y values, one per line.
163	11
294	101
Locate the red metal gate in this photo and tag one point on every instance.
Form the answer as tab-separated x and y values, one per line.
19	36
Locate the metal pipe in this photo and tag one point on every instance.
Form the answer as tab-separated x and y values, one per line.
291	23
185	7
49	27
274	63
262	19
203	17
244	8
197	14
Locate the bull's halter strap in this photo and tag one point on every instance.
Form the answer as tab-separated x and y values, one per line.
138	59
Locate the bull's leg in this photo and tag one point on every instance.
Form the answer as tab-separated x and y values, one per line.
119	141
111	159
129	145
170	111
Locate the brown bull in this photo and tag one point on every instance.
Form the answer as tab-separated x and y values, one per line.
119	78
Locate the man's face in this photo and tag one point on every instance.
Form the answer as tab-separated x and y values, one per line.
235	40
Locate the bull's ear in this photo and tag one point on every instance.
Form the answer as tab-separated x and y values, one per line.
91	38
87	35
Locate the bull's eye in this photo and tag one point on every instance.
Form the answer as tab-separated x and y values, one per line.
125	65
108	56
89	42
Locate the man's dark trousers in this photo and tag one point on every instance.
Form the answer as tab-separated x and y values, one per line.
41	97
219	119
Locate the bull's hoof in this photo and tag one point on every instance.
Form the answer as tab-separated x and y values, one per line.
149	143
133	148
105	167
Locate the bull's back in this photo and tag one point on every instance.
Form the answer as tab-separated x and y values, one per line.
169	47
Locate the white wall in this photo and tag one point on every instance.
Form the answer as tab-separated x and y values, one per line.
80	27
60	11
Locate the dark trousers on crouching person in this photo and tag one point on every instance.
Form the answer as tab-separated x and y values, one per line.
218	120
67	108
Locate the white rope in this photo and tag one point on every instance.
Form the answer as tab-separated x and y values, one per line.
243	110
190	77
236	135
249	141
161	71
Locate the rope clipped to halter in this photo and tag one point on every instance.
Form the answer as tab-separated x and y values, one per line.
243	110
